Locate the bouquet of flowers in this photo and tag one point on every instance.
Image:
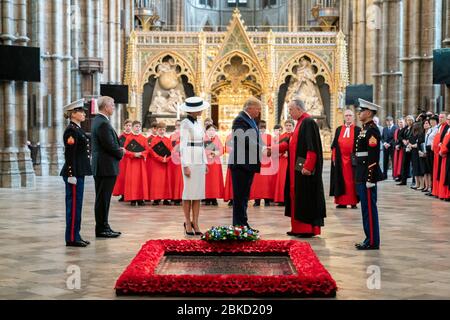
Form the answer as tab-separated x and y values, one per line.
226	233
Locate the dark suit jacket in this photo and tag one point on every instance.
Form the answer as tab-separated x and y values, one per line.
106	152
247	147
388	135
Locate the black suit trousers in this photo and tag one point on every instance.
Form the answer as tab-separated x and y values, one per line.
242	181
387	154
103	191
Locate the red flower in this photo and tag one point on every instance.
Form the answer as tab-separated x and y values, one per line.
312	279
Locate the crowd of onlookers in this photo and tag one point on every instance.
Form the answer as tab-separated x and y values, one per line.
418	148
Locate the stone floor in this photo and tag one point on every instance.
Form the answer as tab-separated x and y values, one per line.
414	262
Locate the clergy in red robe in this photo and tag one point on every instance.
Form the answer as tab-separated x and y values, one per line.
228	190
263	186
444	181
398	152
280	178
342	183
214	188
136	183
437	142
160	155
305	199
175	170
118	187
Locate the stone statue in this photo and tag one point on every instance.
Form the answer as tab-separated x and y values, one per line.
167	75
304	86
158	104
175	98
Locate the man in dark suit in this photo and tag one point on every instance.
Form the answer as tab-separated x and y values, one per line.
244	159
388	144
106	154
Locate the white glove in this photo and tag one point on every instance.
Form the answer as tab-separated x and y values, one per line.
370	185
72	180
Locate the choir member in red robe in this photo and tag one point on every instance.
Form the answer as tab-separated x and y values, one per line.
175	170
342	183
228	190
438	138
280	179
263	182
398	152
160	155
214	188
118	187
305	199
444	186
136	151
151	133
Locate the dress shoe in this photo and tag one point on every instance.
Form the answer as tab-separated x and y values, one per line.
133	203
76	244
197	233
447	200
429	194
190	233
156	203
207	203
305	235
121	199
257	203
355	207
266	203
107	234
292	234
112	231
85	241
401	184
141	203
341	207
363	246
214	203
230	203
167	203
281	204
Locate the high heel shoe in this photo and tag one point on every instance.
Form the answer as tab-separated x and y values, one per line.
188	233
197	233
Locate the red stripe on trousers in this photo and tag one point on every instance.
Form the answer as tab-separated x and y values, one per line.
74	207
369	200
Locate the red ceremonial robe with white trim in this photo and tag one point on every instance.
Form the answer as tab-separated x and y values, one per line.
159	181
136	183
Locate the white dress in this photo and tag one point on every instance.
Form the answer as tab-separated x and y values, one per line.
192	155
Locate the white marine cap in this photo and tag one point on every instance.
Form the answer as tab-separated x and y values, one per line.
79	104
364	104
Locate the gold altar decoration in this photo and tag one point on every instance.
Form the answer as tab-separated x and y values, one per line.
227	67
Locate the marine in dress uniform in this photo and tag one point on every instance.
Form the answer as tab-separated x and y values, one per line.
368	173
76	167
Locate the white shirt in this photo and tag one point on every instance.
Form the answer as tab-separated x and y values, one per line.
429	137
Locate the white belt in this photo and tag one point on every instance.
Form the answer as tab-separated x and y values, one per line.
362	154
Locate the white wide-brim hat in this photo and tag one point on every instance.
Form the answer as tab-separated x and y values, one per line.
194	104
